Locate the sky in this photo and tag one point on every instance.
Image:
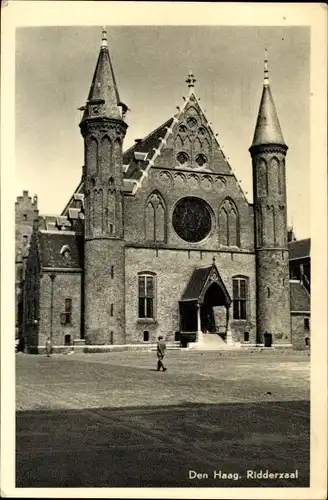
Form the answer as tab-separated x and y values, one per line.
54	69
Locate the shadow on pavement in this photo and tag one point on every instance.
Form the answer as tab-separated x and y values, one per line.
158	446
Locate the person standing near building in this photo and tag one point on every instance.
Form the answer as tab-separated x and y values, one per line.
48	347
161	348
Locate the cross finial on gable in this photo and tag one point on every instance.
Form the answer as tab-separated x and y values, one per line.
191	80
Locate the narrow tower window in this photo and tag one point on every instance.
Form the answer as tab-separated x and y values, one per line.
146	296
66	317
112	309
146	336
112	271
239	291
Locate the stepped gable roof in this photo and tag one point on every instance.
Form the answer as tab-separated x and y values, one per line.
299	298
51	245
146	145
299	249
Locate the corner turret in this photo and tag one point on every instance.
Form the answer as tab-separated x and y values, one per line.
103	129
268	151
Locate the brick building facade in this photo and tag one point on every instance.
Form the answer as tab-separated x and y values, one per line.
160	239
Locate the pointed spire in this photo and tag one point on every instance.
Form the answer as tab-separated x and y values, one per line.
267	130
103	99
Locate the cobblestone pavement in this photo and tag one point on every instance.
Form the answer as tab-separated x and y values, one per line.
111	420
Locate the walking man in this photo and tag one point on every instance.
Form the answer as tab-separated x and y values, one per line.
161	348
48	347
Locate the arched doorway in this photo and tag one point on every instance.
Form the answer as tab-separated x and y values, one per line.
211	318
204	305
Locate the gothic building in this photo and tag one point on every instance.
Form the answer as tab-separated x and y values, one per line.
160	239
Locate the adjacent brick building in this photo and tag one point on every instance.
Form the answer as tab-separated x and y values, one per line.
160	239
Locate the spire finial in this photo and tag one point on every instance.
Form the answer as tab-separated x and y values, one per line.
266	71
191	80
213	259
104	37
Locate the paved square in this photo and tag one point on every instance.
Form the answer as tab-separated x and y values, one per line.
111	420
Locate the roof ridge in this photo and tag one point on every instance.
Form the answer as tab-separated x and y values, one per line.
147	136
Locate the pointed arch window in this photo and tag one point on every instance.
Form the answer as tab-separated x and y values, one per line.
229	231
262	177
105	152
182	158
155	218
201	160
92	155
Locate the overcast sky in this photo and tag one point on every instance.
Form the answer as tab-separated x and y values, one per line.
54	69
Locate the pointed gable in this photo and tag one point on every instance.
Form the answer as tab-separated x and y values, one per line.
200	281
194	143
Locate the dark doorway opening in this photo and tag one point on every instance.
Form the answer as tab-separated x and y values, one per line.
214	297
67	340
267	339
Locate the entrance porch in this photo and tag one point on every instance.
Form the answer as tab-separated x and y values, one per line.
205	309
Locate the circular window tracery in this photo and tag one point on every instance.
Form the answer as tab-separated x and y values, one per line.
182	158
201	160
192	219
183	129
192	122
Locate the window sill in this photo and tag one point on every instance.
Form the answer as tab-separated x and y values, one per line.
147	321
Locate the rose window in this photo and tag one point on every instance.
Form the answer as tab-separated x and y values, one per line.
192	122
201	160
192	219
182	158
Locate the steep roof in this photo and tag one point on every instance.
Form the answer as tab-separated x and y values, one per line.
103	90
52	244
267	129
145	145
299	249
196	283
299	298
